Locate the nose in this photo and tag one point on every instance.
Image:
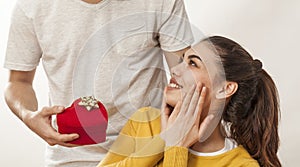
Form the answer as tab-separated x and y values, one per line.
175	71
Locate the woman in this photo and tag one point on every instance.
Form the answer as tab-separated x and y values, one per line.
211	116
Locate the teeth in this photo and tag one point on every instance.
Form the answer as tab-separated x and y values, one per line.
173	85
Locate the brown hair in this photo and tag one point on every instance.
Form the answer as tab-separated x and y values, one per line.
253	111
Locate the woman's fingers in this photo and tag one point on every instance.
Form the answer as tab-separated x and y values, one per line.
165	112
183	127
192	109
186	101
200	104
175	113
204	126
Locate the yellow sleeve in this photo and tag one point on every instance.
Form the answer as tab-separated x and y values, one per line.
136	146
175	157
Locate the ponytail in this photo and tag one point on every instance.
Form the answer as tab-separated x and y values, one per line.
257	131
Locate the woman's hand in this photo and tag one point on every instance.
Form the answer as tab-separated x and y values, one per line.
182	127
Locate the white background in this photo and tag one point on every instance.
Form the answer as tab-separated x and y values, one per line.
267	29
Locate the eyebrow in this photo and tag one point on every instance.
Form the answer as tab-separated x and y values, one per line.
194	56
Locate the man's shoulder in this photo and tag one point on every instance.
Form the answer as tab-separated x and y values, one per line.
34	7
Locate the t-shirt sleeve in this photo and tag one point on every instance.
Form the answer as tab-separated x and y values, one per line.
175	32
23	50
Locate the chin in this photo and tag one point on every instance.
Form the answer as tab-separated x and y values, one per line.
171	103
172	99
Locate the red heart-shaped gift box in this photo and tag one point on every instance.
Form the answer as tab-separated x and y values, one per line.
86	117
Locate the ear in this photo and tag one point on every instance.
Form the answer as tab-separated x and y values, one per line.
227	90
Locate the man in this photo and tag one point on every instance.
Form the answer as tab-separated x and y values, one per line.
111	49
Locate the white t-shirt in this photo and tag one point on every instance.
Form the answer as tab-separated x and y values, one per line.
110	50
229	144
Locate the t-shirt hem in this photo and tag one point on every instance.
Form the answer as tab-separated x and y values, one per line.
181	46
19	67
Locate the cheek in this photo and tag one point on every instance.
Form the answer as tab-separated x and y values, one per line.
188	81
195	79
203	78
206	82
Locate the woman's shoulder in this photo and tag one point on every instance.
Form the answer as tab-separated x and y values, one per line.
242	157
145	115
145	122
237	157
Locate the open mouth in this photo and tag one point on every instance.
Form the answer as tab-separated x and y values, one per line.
173	84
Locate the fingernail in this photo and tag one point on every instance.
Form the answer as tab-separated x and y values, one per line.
210	117
60	108
75	136
195	86
198	87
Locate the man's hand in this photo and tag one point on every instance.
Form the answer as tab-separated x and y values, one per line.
21	99
40	123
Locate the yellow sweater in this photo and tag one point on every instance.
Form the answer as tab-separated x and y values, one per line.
139	145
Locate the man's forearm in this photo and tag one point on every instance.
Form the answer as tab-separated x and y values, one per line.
20	98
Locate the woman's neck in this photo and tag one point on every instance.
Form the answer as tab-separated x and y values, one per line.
214	143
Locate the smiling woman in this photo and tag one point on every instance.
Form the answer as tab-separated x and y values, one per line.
198	106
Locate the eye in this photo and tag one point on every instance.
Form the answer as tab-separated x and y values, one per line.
192	63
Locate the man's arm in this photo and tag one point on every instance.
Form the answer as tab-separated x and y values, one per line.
19	94
21	99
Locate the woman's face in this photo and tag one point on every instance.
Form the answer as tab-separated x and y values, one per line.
200	64
192	70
